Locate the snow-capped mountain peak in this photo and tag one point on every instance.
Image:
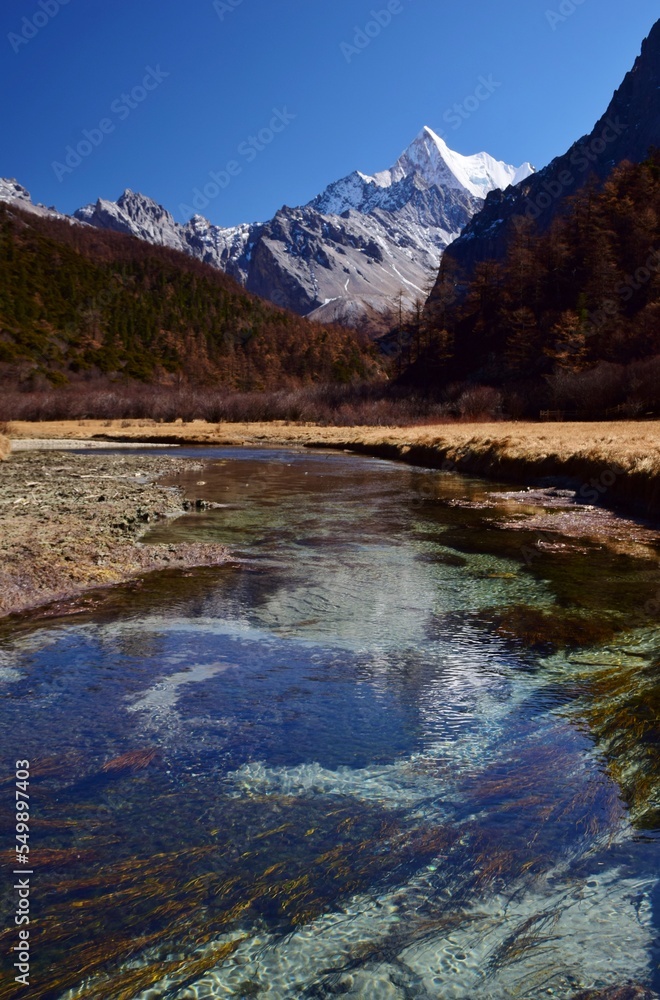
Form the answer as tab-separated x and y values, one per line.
350	251
427	159
430	156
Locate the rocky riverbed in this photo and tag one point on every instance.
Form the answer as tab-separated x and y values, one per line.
71	522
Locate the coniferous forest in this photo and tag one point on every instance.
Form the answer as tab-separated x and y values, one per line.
569	320
570	317
78	304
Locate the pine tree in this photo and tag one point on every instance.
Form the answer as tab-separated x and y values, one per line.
569	343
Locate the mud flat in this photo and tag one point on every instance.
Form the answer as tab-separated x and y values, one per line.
69	523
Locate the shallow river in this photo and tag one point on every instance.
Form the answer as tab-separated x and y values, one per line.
386	754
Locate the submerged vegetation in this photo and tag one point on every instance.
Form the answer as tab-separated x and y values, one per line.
621	705
119	921
165	865
174	905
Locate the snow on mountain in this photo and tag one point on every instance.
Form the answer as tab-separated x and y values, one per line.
11	190
429	158
349	253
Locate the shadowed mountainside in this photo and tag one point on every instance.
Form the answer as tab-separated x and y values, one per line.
629	127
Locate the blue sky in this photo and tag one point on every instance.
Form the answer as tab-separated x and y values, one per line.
204	81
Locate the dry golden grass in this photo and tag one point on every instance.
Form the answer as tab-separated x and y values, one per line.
623	457
5	446
635	445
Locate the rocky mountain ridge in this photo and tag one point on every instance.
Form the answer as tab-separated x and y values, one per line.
348	255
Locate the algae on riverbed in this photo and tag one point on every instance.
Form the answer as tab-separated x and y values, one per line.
620	702
360	763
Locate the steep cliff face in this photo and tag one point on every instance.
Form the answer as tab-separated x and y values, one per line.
629	127
322	265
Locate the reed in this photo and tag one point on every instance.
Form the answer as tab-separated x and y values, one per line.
130	763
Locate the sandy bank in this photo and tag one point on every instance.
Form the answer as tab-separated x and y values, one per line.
611	463
69	523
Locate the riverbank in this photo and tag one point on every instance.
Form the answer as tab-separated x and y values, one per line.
70	523
615	463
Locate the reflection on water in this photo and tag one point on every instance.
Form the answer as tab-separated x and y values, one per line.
384	757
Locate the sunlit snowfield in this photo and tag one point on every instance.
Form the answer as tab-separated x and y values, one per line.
383	757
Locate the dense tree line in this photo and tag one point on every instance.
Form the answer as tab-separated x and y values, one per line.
78	304
581	299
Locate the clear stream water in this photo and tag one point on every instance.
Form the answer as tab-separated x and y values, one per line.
380	756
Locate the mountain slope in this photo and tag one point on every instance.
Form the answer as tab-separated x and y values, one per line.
348	254
14	193
627	130
79	304
570	318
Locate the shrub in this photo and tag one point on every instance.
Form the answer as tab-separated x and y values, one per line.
480	402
